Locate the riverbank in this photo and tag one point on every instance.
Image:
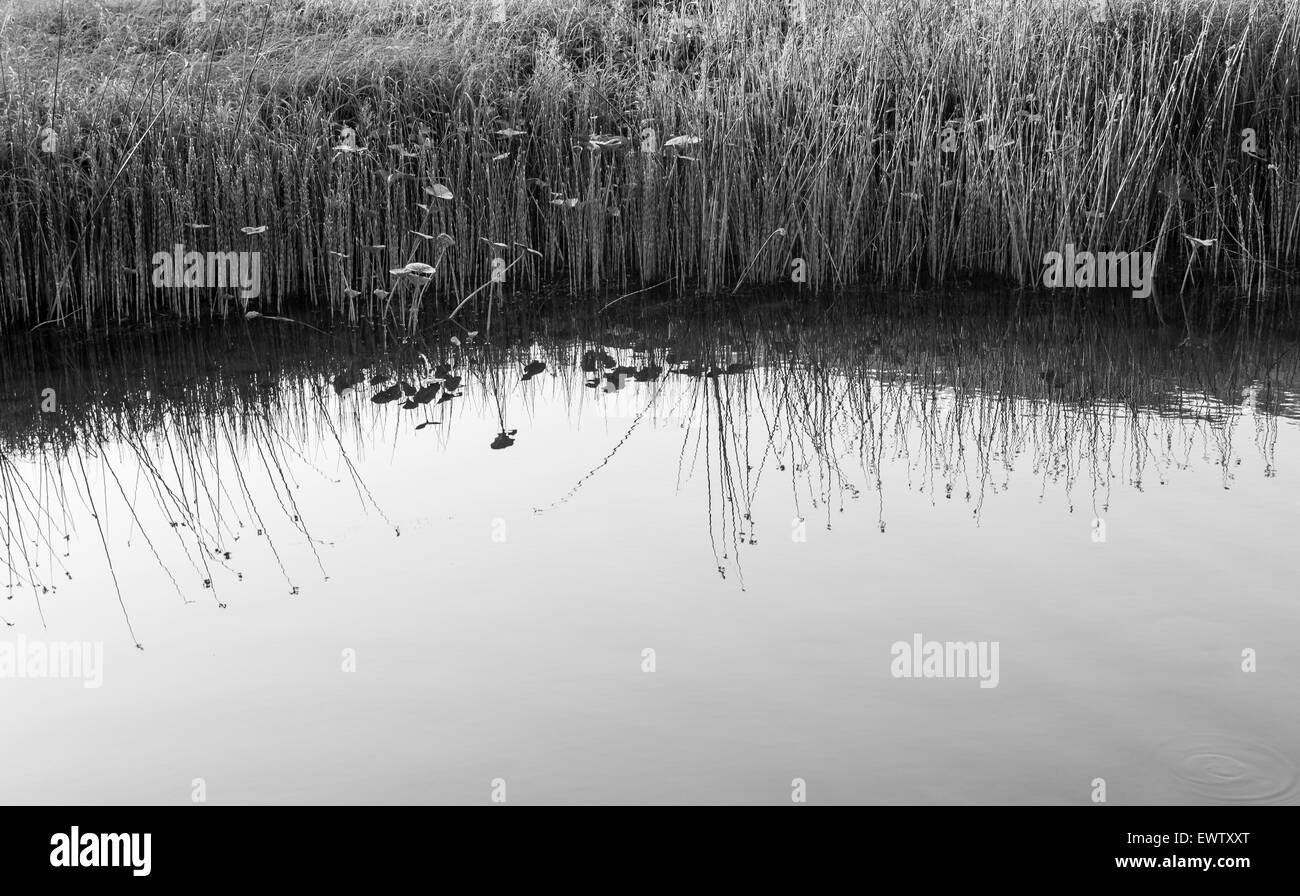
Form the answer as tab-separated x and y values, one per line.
398	161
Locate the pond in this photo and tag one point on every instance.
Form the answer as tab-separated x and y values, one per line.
665	558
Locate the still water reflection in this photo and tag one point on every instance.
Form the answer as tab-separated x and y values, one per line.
361	568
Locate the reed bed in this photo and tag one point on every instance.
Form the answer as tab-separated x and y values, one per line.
602	147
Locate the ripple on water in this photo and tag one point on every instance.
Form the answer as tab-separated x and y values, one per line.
1231	770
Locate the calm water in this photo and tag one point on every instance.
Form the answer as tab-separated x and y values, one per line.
339	598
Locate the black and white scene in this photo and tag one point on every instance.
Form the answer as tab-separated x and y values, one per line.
648	402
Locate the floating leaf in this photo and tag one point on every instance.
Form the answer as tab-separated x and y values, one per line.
439	191
392	393
503	440
428	423
427	393
451	383
249	315
592	359
532	368
261	228
501	157
510	132
684	140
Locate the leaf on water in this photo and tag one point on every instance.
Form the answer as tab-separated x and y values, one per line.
684	140
439	191
532	368
392	393
592	359
455	340
448	396
407	388
410	404
249	315
503	440
428	423
528	249
494	245
343	382
510	132
423	236
451	383
261	228
381	293
446	241
739	367
427	393
500	156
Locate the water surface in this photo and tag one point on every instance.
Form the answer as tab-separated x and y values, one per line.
768	501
